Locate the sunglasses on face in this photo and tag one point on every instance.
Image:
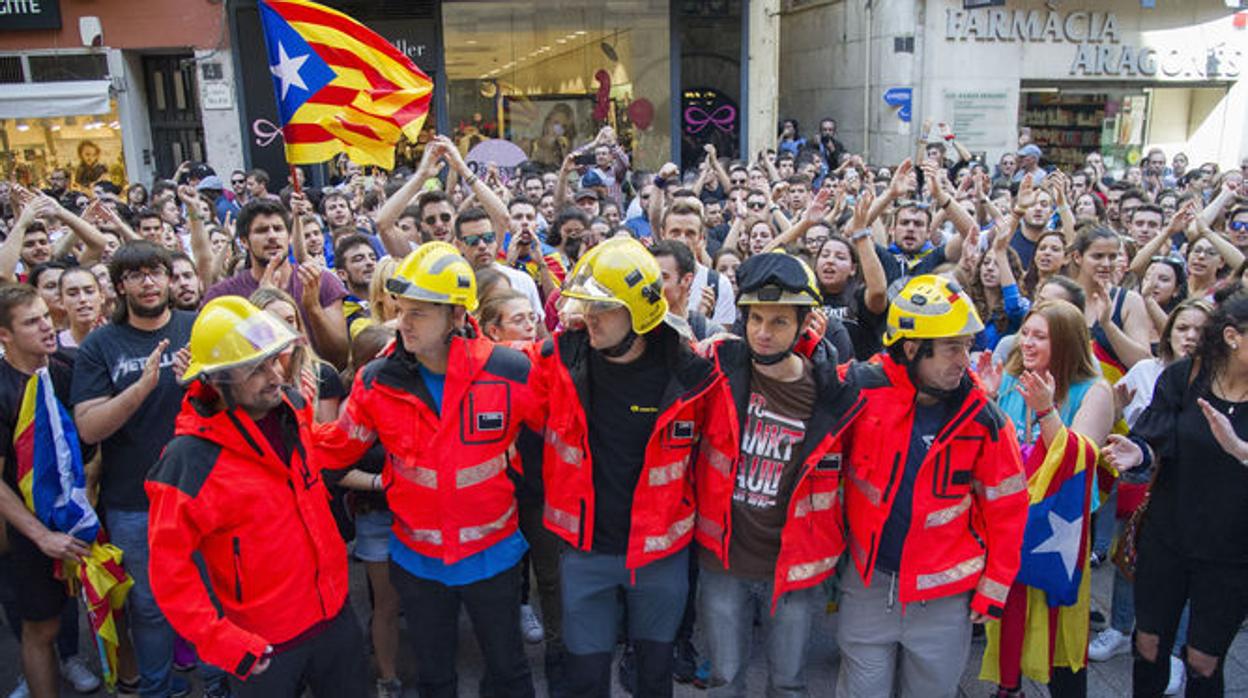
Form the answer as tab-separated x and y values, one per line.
1238	226
238	181
472	240
445	217
756	205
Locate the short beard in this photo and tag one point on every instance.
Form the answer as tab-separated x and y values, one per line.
140	311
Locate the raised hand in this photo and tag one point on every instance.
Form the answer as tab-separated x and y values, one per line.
1037	390
899	186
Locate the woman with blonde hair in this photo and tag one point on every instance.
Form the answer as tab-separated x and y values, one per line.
316	379
381	306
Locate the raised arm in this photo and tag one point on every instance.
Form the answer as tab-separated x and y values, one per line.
494	206
390	211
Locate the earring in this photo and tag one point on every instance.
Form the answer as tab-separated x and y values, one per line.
1234	347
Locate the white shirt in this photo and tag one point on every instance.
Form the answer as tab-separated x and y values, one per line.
725	304
521	282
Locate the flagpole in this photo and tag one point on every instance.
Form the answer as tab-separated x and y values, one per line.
294	179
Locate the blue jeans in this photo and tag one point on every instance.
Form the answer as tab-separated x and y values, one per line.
727	606
1105	523
152	636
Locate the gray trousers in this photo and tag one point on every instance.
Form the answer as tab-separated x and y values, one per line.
916	651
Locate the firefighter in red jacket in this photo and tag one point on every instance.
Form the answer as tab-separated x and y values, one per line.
632	411
770	524
446	405
935	500
237	486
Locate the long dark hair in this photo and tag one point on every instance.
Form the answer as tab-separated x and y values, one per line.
1214	351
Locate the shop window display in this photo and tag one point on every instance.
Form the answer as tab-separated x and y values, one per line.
89	147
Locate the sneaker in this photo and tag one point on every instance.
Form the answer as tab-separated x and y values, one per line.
1107	644
22	690
530	626
1097	621
685	663
390	689
128	688
1178	676
220	689
75	671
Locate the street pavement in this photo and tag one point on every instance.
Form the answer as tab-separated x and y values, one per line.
1111	679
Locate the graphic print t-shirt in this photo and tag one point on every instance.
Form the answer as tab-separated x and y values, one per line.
775	428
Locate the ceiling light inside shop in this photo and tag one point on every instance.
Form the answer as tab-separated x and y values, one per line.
23	126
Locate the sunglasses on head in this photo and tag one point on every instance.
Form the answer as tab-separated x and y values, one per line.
430	220
472	240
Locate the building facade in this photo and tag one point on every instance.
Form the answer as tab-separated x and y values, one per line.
1111	76
133	88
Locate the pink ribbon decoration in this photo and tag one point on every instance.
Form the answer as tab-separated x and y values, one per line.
722	118
266	132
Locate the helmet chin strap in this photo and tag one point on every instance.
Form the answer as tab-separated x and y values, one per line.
622	347
777	357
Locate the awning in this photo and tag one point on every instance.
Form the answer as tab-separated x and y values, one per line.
35	100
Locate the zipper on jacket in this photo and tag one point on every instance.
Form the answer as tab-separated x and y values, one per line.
238	570
316	578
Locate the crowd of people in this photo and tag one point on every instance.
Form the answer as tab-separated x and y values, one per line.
599	406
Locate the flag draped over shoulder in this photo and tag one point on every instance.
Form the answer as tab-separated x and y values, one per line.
1046	614
52	484
340	87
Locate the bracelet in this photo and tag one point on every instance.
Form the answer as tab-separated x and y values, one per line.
861	234
949	137
377	482
1044	413
471	180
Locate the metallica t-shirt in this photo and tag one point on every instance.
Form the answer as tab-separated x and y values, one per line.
775	428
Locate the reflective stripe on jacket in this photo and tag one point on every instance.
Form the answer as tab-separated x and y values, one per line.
970	494
813	536
445	475
692	428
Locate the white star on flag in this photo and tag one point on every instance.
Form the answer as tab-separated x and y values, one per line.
287	70
1064	541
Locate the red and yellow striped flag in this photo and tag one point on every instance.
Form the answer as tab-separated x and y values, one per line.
340	87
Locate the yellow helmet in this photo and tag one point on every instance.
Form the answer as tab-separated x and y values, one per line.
231	332
931	307
435	272
621	271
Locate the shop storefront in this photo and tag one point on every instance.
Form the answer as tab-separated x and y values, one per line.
70	125
544	76
119	91
1110	77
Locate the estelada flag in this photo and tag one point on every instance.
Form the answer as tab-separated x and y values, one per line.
53	486
1045	624
340	87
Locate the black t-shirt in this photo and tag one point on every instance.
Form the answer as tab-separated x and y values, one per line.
928	421
866	329
13	390
1198	501
623	408
110	360
328	382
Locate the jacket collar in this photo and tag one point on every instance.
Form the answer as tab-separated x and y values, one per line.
234	430
400	369
689	374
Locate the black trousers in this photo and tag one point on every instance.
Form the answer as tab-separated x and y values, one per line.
331	664
493	606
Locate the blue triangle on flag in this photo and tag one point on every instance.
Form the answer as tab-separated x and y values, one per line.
298	71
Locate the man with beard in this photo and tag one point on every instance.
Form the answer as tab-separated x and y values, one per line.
185	290
354	263
1034	212
478	243
125	398
263	226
